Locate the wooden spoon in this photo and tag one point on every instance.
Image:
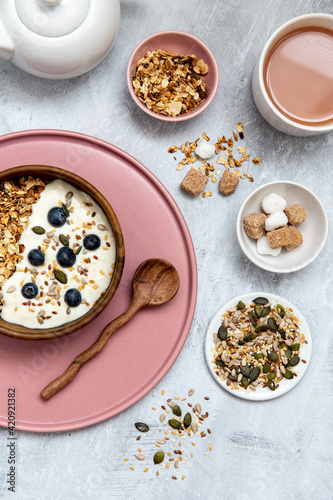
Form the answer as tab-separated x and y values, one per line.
155	282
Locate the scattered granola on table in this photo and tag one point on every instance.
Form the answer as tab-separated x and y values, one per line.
257	345
170	83
203	149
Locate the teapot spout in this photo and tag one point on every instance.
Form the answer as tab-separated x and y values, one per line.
6	43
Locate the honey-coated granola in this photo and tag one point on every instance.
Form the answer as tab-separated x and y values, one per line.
170	83
17	197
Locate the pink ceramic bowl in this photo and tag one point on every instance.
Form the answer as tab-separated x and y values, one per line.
184	43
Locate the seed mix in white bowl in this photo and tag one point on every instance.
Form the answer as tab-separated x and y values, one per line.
258	346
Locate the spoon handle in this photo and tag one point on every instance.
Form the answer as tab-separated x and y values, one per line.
60	382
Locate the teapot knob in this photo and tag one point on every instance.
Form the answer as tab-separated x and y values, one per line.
50	3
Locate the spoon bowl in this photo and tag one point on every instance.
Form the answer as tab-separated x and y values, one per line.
155	281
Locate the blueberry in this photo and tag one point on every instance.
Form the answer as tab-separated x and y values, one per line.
57	217
91	242
29	290
66	257
36	257
73	297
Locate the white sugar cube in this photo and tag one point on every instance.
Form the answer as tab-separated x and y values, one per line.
276	220
273	202
205	149
263	247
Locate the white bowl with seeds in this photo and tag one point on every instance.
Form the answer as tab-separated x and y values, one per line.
69	253
258	346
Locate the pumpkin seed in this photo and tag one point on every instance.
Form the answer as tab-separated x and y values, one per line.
253	318
294	361
240	305
245	381
159	457
280	310
78	250
249	337
265	311
272	324
222	333
233	378
262	301
258	310
187	420
219	362
64	240
271	375
287	353
266	368
65	209
261	328
295	347
271	385
254	373
175	424
281	344
282	334
272	356
38	230
142	427
288	374
245	371
257	355
60	276
177	411
241	342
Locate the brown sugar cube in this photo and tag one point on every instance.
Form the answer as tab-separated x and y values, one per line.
194	182
228	183
279	237
296	238
296	214
254	225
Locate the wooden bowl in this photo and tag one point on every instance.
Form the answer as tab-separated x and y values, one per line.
51	173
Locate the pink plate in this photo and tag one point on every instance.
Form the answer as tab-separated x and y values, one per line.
141	353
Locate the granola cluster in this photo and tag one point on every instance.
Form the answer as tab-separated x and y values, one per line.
170	83
16	200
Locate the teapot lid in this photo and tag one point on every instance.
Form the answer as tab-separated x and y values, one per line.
52	18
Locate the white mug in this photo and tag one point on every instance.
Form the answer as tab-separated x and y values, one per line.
261	98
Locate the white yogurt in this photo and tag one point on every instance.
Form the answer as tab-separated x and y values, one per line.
90	274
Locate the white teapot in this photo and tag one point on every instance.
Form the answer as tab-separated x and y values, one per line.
57	38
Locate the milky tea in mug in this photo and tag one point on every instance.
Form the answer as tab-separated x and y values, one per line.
298	75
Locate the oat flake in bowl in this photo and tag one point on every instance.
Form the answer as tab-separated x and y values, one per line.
69	254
